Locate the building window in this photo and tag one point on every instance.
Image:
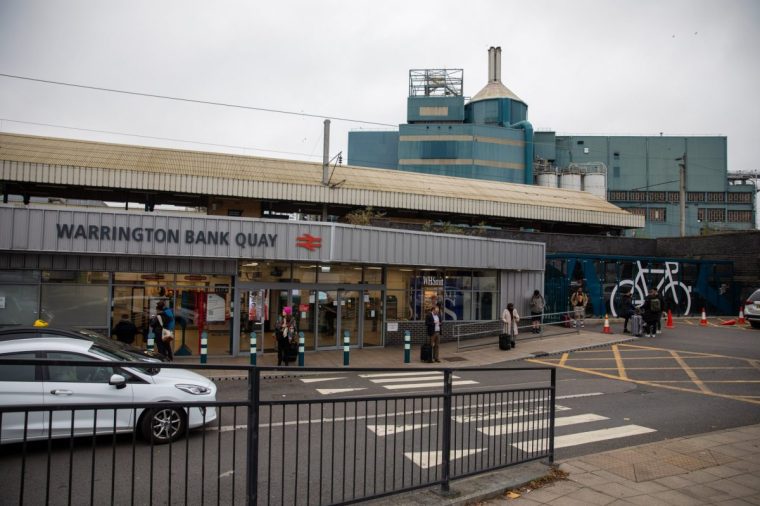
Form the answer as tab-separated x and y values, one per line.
580	143
674	197
616	171
740	198
695	197
637	196
740	216
638	211
618	195
657	196
716	197
616	155
657	214
438	149
711	214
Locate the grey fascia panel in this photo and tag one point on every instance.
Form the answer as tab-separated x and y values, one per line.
36	230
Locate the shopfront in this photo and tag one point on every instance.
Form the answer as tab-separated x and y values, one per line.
229	277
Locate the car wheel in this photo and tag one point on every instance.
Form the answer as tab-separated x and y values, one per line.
163	425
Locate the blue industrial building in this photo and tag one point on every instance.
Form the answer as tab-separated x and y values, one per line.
489	137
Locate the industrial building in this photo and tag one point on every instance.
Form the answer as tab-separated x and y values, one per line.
489	137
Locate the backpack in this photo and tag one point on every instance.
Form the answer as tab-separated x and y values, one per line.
654	305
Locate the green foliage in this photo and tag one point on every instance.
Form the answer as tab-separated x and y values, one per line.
362	216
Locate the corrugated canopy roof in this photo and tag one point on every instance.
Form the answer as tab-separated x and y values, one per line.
304	181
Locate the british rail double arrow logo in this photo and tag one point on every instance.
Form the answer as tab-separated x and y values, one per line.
309	242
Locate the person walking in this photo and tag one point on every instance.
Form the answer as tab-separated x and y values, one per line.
652	312
510	318
579	300
433	326
285	331
158	323
125	331
537	304
627	310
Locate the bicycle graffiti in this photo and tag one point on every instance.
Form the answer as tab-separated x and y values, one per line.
676	294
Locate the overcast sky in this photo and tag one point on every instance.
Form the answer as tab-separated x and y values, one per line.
620	67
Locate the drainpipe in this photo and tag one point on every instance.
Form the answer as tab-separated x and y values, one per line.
525	125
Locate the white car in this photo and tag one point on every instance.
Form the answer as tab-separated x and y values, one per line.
55	385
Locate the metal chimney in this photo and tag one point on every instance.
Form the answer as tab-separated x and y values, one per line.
494	64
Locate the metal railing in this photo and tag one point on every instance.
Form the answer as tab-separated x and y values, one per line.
486	333
270	448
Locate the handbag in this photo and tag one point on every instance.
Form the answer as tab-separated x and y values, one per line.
167	335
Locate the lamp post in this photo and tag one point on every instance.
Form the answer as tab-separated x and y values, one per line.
682	191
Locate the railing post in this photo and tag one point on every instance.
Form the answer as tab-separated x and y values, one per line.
301	349
552	413
346	347
204	347
254	351
407	347
252	447
446	449
151	340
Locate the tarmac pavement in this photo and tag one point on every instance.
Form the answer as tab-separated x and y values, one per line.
721	467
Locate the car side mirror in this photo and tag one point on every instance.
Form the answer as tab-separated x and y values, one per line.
118	381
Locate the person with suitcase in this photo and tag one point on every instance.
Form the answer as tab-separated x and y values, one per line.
627	311
637	324
510	318
433	327
652	312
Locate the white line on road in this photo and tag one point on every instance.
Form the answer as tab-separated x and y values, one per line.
399	374
502	415
415	378
541	424
317	380
576	396
433	459
585	437
428	385
228	473
389	430
328	391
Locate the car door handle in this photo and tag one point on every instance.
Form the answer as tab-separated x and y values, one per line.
61	392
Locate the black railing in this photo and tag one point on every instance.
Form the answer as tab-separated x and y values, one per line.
272	448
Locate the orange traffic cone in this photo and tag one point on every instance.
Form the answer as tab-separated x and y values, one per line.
670	325
607	329
703	321
741	320
729	322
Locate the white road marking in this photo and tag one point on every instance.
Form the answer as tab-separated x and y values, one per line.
328	391
317	380
575	396
428	385
389	430
228	473
415	378
502	415
541	424
433	459
399	374
585	437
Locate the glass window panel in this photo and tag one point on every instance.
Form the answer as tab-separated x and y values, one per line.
19	276
10	372
486	305
339	273
20	304
459	279
373	275
75	305
77	373
484	280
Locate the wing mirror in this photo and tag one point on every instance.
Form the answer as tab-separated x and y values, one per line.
118	381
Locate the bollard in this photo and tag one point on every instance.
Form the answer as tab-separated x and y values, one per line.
253	348
407	347
204	347
346	347
151	341
301	349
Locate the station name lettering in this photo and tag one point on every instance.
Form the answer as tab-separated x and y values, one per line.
163	235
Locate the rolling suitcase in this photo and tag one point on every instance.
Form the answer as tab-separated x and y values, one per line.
637	325
504	342
426	353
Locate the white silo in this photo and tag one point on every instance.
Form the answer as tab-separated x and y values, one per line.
548	179
596	184
570	181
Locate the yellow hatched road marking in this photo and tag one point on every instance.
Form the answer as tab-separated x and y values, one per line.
690	373
563	359
619	362
683	352
707	368
711	381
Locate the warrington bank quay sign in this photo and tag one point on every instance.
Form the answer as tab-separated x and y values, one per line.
164	235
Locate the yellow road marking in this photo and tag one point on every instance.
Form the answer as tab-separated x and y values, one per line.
563	359
689	372
708	368
687	321
683	352
619	362
755	364
641	358
649	383
711	381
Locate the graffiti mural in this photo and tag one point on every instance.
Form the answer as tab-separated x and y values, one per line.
686	285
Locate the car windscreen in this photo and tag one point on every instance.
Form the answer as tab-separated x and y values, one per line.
110	353
755	296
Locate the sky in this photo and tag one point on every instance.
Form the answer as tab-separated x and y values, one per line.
624	67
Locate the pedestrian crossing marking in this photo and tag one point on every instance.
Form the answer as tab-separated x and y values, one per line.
541	424
328	391
539	445
426	460
502	415
428	385
409	379
318	380
399	374
389	430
